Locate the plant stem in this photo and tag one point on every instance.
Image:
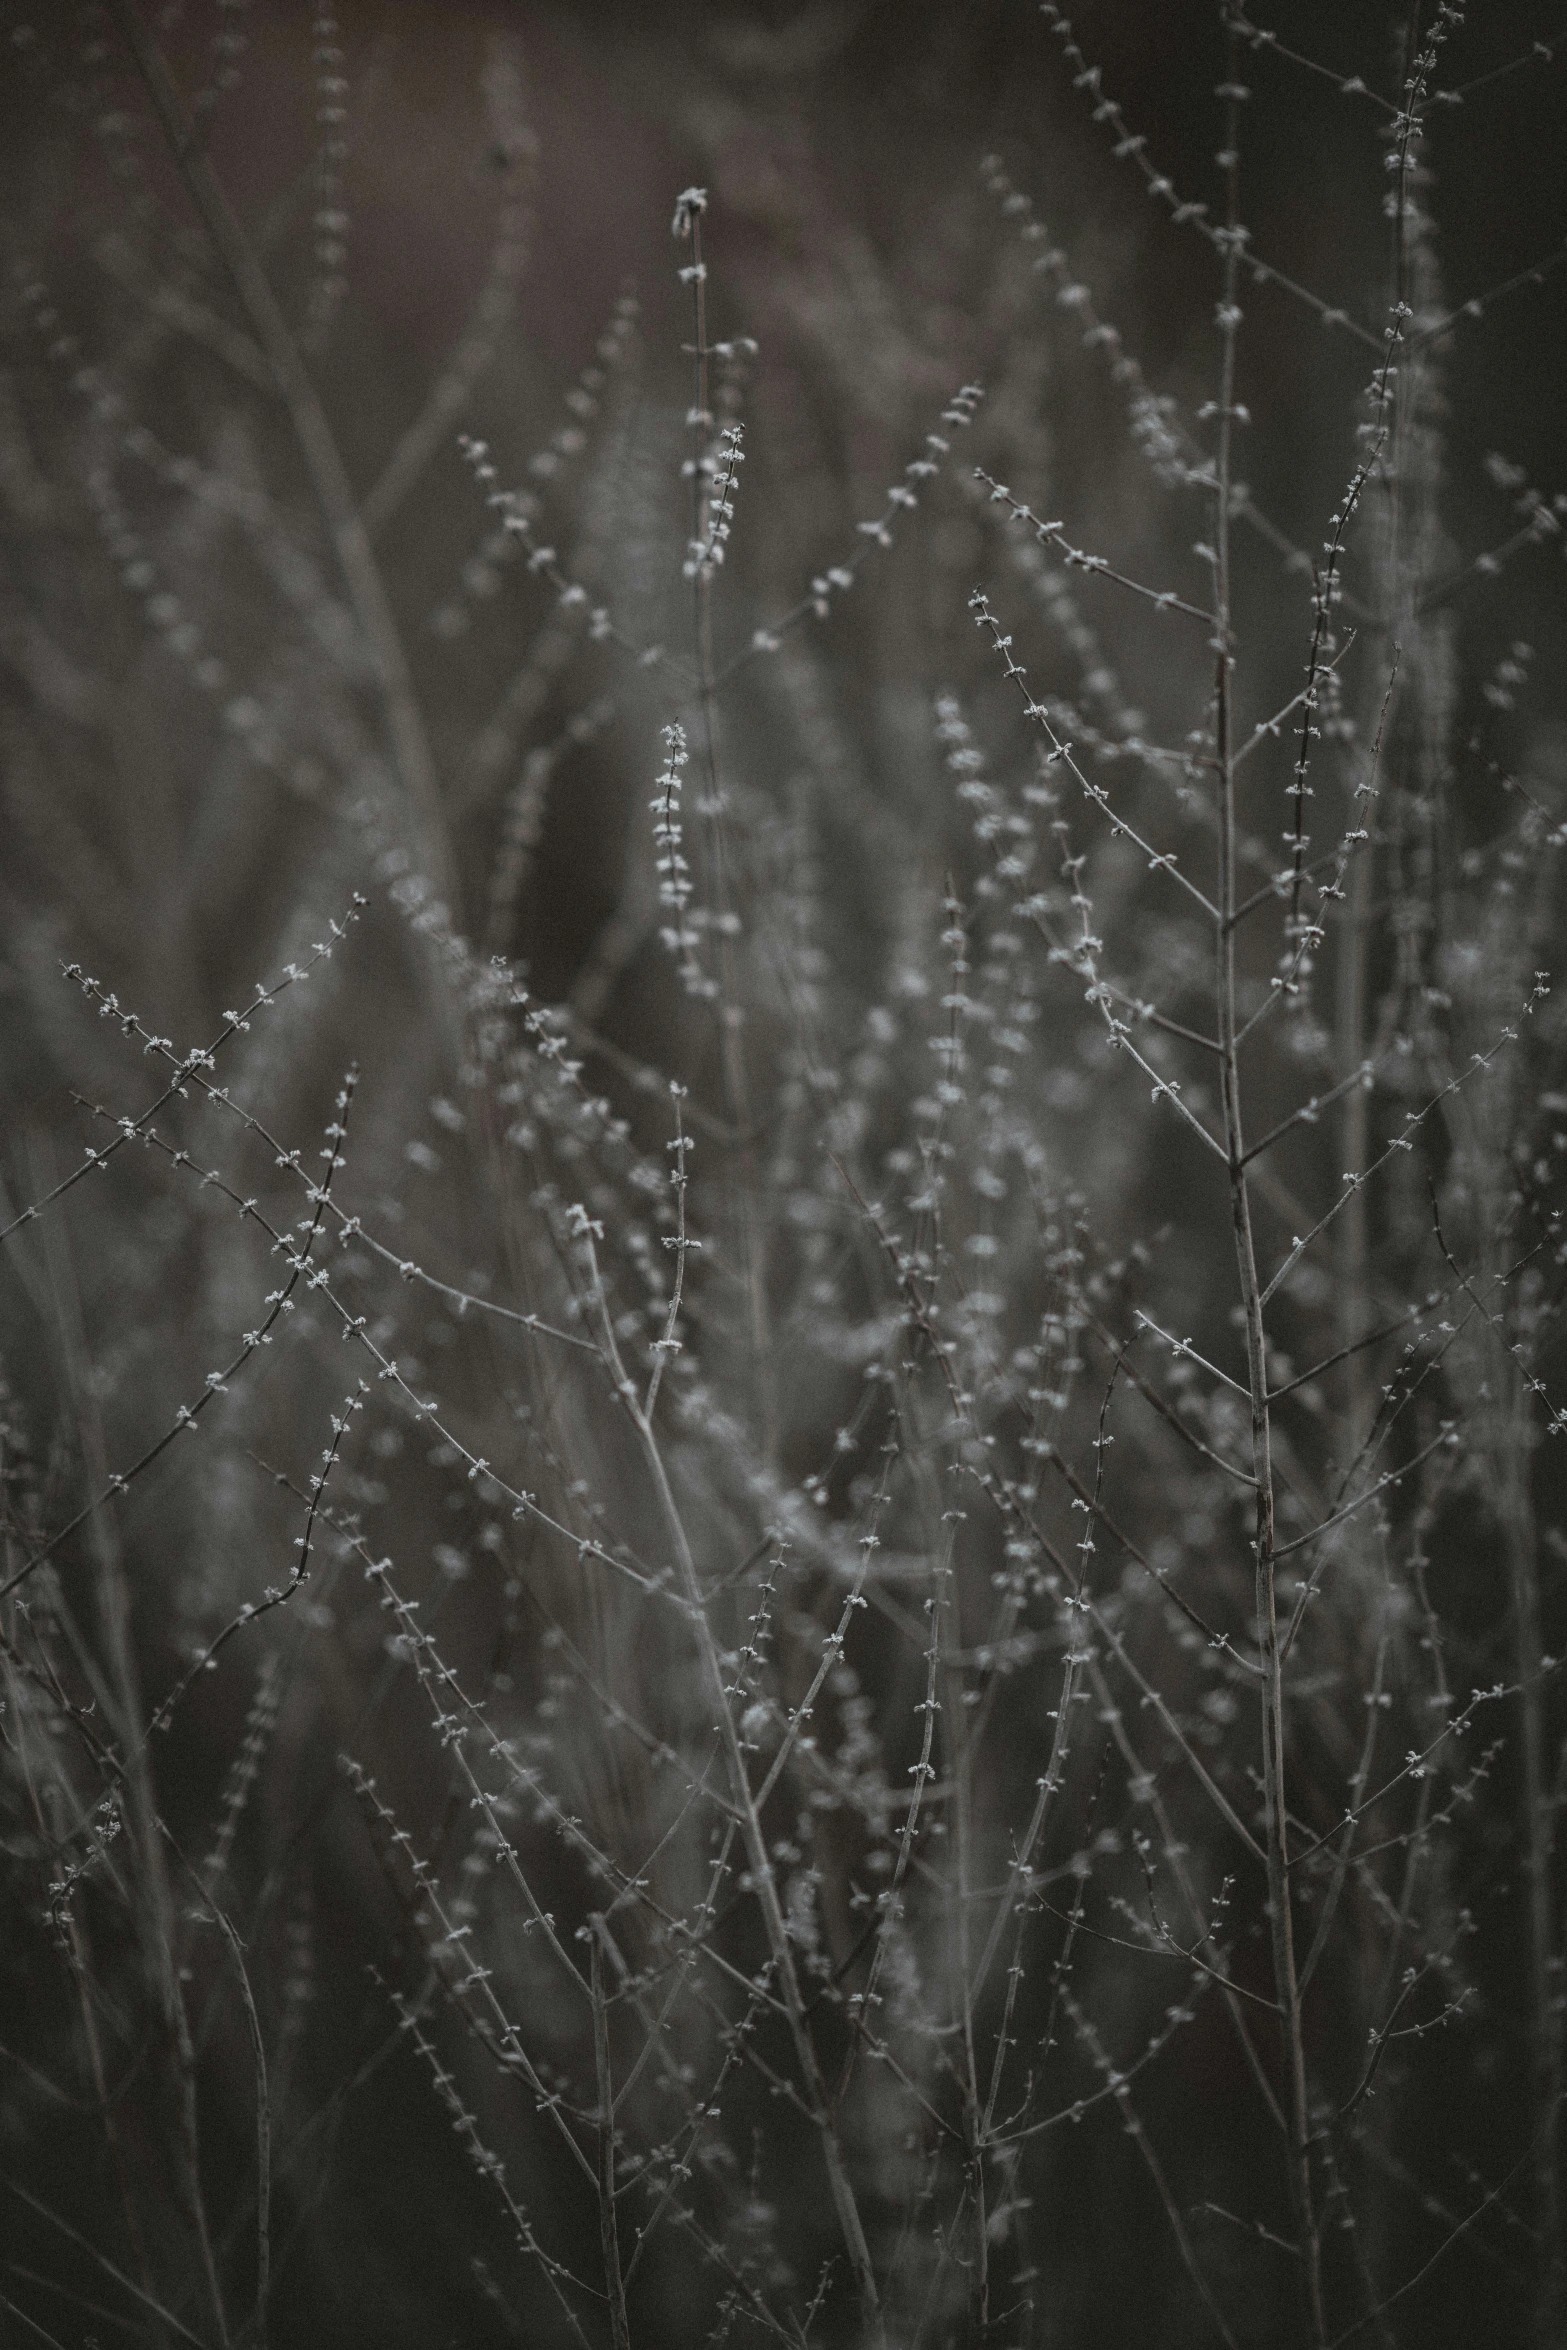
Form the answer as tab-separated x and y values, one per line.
334	494
1286	1982
609	2234
763	1882
731	1012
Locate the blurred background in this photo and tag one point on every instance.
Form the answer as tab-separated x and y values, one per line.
465	215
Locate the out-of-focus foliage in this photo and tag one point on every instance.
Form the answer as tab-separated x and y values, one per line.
783	1164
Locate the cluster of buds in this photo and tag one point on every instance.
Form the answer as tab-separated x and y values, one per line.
707	551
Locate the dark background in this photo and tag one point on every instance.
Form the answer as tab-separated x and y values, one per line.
849	232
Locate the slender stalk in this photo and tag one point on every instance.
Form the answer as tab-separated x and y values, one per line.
255	2332
333	491
763	1882
946	1639
154	1924
1504	1408
609	2234
731	1012
1285	1977
1353	1302
1512	1437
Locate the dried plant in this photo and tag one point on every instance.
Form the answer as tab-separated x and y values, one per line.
780	1561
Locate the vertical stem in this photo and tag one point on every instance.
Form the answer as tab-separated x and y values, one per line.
329	480
254	2334
1352	1239
1517	1515
609	2234
1509	1437
1286	1981
764	1884
946	1636
763	1881
731	1012
155	1926
1352	1244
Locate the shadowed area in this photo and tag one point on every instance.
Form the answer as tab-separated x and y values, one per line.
782	1163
